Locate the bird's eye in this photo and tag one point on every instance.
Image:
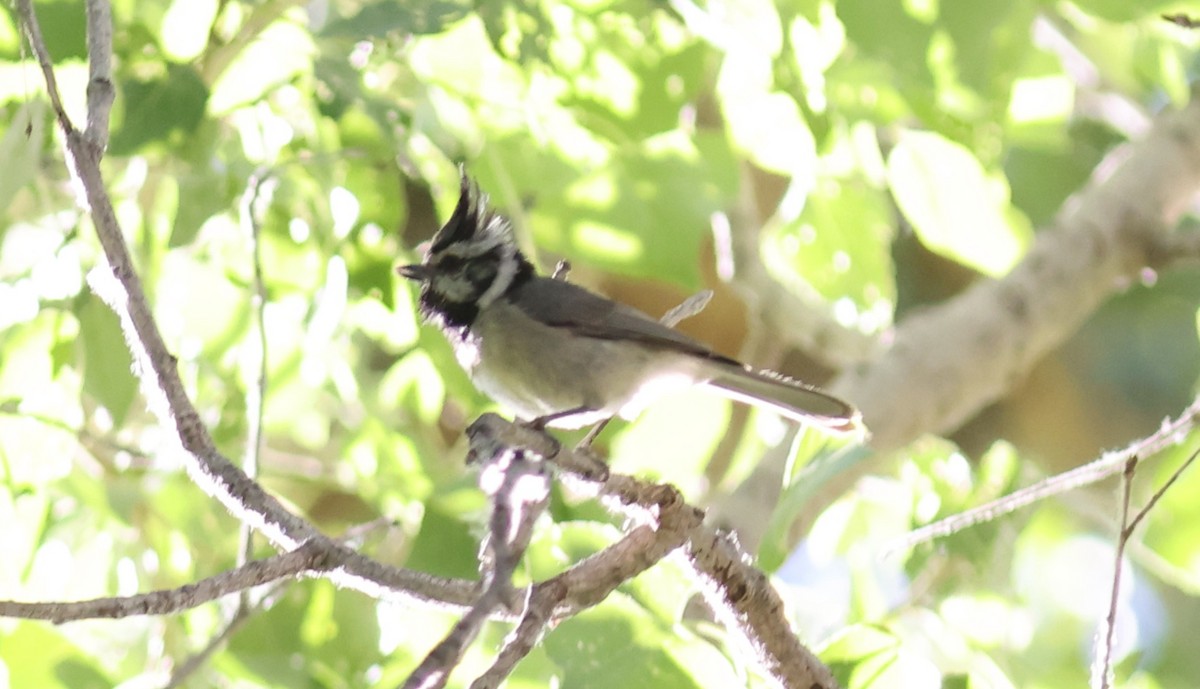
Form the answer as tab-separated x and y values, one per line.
451	264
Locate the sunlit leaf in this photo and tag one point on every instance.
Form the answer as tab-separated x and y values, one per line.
278	53
955	207
838	245
35	654
20	148
107	375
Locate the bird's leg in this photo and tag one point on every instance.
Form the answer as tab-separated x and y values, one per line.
541	422
596	430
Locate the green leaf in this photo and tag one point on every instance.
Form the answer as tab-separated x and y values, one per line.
445	545
198	304
157	109
840	245
76	673
765	124
203	193
268	649
956	209
64	30
900	670
619	636
892	34
819	467
1125	11
856	642
664	590
413	384
377	19
183	37
558	546
107	373
23	519
20	149
277	55
36	655
644	212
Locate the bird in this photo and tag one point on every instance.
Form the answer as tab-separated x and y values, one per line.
561	356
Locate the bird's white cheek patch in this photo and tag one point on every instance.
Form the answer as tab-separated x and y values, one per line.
454	289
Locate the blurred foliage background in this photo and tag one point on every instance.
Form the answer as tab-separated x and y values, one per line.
889	153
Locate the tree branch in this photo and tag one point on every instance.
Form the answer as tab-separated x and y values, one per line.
749	606
518	483
949	361
308	557
100	91
1171	433
155	367
741	595
1102	669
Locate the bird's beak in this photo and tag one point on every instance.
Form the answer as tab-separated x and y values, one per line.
414	272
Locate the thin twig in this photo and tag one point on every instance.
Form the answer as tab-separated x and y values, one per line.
121	289
539	611
219	56
255	395
257	391
34	33
1137	519
1170	433
561	270
1102	671
189	667
86	439
1181	19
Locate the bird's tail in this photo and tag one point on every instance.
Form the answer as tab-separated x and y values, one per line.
786	396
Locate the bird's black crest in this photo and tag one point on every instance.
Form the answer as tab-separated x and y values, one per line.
470	217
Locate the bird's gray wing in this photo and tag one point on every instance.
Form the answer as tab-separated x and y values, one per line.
562	304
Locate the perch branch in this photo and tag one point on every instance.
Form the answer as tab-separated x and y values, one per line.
663	522
518	484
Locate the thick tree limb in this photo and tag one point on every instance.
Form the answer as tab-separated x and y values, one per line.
949	361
